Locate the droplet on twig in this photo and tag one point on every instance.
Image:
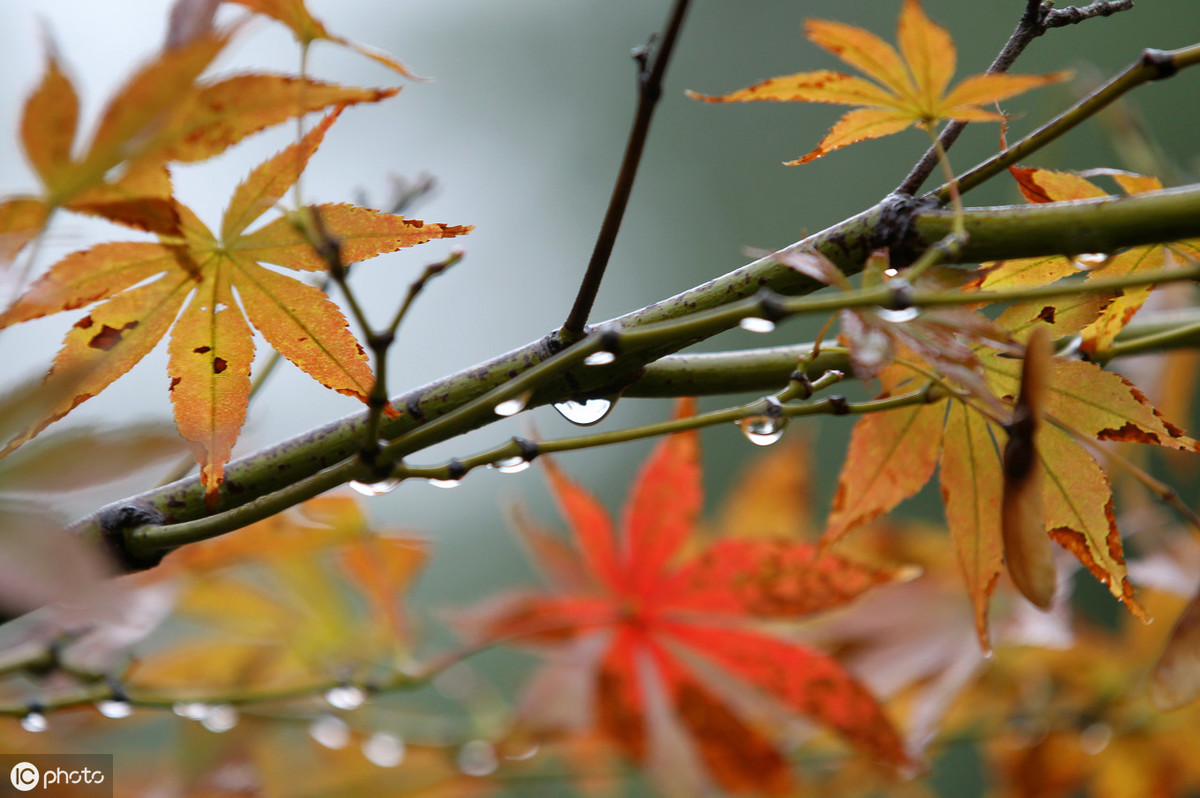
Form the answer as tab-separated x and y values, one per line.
478	758
599	359
114	709
375	488
586	413
330	731
384	749
220	718
756	324
345	696
34	722
511	465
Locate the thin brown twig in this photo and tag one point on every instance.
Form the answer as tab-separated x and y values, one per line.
1036	20
652	66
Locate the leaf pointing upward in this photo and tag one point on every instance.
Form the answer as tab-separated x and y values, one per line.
909	86
143	286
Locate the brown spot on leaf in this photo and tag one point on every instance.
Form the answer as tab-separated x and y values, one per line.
1128	432
200	350
83	323
108	337
1047	314
174	381
219	365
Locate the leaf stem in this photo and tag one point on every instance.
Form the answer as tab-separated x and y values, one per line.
652	63
1152	65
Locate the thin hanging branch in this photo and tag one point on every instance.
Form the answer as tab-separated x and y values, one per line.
652	60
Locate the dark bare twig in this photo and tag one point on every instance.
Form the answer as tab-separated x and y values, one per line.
652	62
1036	20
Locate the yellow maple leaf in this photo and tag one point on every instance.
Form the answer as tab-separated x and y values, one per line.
908	87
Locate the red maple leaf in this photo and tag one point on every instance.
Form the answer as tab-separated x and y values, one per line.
670	656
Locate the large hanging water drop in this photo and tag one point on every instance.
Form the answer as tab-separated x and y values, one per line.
445	484
586	413
347	697
34	722
762	430
511	465
330	731
384	749
478	758
375	488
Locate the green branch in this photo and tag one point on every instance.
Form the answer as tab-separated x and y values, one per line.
269	480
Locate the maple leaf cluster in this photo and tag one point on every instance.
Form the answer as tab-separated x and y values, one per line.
207	289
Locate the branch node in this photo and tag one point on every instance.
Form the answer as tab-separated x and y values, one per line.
838	405
771	306
610	339
529	449
412	404
116	522
455	469
1160	61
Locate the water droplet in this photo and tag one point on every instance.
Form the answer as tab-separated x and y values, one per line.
478	758
584	413
1091	260
384	749
329	731
375	488
762	430
1095	738
756	325
510	407
520	752
346	696
220	718
511	465
445	484
191	710
599	359
890	272
34	722
114	709
897	316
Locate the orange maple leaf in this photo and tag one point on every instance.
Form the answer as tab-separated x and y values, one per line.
144	285
662	640
893	454
909	88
